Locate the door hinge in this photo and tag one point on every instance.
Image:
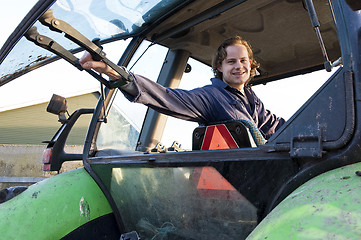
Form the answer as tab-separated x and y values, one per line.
306	142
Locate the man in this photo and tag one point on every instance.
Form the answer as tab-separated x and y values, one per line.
228	98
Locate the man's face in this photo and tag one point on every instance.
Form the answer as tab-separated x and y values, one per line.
236	67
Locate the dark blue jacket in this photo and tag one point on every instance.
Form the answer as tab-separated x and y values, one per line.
209	104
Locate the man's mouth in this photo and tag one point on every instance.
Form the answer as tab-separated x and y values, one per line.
238	73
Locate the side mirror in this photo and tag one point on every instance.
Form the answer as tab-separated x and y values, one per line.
58	106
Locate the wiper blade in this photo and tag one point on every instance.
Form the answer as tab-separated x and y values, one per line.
54	24
52	46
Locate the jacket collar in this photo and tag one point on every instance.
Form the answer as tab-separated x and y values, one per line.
219	83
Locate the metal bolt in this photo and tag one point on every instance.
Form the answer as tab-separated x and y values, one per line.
238	129
197	135
56	22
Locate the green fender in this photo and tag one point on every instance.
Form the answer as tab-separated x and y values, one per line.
326	207
54	207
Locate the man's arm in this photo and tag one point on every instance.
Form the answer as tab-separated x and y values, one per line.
179	103
269	123
183	104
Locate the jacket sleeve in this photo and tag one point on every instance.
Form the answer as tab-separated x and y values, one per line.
179	103
268	123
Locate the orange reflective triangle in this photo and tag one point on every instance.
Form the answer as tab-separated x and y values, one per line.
210	178
211	184
218	137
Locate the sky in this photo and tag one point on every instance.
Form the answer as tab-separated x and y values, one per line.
11	13
282	99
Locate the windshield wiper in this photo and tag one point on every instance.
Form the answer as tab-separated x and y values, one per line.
93	47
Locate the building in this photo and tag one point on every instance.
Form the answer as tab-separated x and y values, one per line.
22	132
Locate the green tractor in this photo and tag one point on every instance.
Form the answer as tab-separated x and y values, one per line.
302	183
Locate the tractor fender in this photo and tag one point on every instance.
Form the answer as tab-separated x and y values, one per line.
54	207
326	207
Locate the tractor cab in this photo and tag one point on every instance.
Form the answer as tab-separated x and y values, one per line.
223	180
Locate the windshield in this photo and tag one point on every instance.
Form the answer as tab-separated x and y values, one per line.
110	19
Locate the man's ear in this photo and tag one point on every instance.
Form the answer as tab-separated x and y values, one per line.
219	68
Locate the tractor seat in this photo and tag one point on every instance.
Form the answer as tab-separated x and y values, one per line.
233	134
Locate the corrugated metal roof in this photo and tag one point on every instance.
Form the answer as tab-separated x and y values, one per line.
32	124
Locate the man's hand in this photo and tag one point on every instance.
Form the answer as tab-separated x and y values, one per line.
87	62
127	85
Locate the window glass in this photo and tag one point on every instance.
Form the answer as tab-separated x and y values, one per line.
202	205
93	19
125	118
284	97
180	130
148	60
120	131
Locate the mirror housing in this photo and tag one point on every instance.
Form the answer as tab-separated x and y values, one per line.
58	156
58	106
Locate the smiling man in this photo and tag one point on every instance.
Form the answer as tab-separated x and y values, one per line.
236	67
227	98
234	63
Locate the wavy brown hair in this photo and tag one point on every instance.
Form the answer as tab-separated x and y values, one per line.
221	54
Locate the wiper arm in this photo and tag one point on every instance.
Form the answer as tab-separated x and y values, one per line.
52	46
57	25
72	34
